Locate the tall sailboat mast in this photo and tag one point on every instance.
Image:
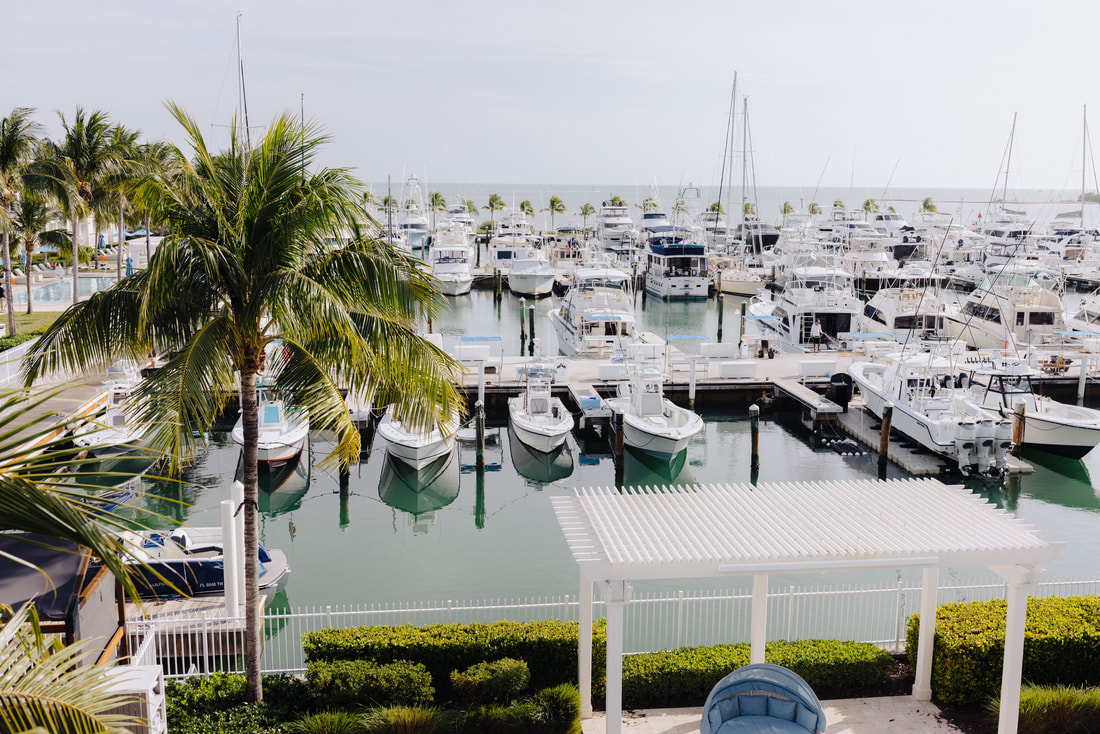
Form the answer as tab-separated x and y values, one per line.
1084	150
240	83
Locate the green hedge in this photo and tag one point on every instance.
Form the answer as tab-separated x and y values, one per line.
684	677
1061	646
554	710
499	681
216	703
353	684
1056	709
548	647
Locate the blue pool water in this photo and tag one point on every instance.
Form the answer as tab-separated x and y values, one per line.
61	291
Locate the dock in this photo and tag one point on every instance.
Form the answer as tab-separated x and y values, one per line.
594	410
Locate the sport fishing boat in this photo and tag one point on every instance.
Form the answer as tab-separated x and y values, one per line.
999	383
651	422
452	264
117	432
802	296
596	314
538	418
192	561
931	409
907	315
283	432
1008	310
533	275
418	448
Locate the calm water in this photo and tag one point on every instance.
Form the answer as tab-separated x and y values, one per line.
458	539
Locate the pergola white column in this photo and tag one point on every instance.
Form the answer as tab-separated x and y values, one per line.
618	537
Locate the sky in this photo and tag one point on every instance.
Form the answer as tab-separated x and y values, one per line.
839	93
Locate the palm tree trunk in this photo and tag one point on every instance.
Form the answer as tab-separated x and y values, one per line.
254	692
7	282
121	239
76	263
148	245
30	304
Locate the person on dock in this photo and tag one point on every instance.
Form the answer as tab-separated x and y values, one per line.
815	335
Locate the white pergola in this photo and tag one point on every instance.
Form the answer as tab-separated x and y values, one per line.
618	537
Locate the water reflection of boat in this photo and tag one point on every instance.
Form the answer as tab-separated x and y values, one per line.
422	491
539	466
642	469
282	486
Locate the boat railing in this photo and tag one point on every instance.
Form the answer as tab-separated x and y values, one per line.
876	613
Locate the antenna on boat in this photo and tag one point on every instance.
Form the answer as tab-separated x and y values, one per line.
1007	157
240	83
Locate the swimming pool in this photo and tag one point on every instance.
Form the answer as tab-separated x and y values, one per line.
60	291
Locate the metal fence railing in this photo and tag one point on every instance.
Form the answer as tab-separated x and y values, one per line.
190	644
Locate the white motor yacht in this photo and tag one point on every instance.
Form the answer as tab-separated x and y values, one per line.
533	275
931	409
800	297
614	224
283	432
676	269
999	383
452	264
651	422
908	315
418	448
538	418
596	314
1006	311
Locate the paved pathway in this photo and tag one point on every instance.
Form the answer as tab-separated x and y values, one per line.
896	714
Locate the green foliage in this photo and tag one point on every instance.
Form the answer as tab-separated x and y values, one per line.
928	205
870	205
1055	709
814	209
555	710
787	208
407	720
549	647
616	200
683	677
328	722
499	681
205	703
1061	645
15	340
716	207
748	208
354	683
560	708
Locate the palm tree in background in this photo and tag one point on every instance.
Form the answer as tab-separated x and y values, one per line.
471	207
30	222
586	211
436	203
125	175
870	205
928	205
83	160
153	159
248	262
527	207
18	146
556	207
814	209
716	207
495	204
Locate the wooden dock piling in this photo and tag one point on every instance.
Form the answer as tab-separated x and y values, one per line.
884	439
754	423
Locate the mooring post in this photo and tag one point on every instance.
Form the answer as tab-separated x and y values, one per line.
531	330
691	385
496	284
479	422
1019	420
479	501
1081	378
754	424
884	439
717	283
522	325
619	450
741	328
721	310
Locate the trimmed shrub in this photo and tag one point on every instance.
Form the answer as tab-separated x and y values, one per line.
554	710
559	708
1061	646
486	683
356	683
685	676
407	720
328	722
1055	709
548	647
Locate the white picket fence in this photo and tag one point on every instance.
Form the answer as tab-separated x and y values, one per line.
198	644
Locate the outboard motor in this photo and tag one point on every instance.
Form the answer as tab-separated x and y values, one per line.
965	432
985	439
1003	443
840	389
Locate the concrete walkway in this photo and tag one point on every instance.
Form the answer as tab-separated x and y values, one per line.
896	714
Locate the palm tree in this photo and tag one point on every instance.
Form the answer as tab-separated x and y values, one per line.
556	207
436	203
586	211
153	159
927	205
248	261
126	174
716	207
471	207
31	219
86	156
18	144
838	204
814	209
495	204
617	201
527	208
870	205
748	208
787	208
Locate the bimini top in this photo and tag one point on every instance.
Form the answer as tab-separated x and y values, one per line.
711	530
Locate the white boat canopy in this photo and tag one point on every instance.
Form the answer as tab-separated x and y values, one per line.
617	536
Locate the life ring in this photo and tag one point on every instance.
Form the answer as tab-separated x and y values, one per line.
530	254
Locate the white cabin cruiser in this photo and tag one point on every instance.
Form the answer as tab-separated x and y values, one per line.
538	418
651	422
1008	311
418	448
999	383
676	270
613	224
532	275
932	410
804	295
596	314
908	315
452	265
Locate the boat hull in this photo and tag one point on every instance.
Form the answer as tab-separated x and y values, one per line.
661	439
531	284
541	435
415	449
455	287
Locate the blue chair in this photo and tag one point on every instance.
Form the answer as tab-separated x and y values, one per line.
762	698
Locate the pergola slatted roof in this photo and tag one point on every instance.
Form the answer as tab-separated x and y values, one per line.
666	532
